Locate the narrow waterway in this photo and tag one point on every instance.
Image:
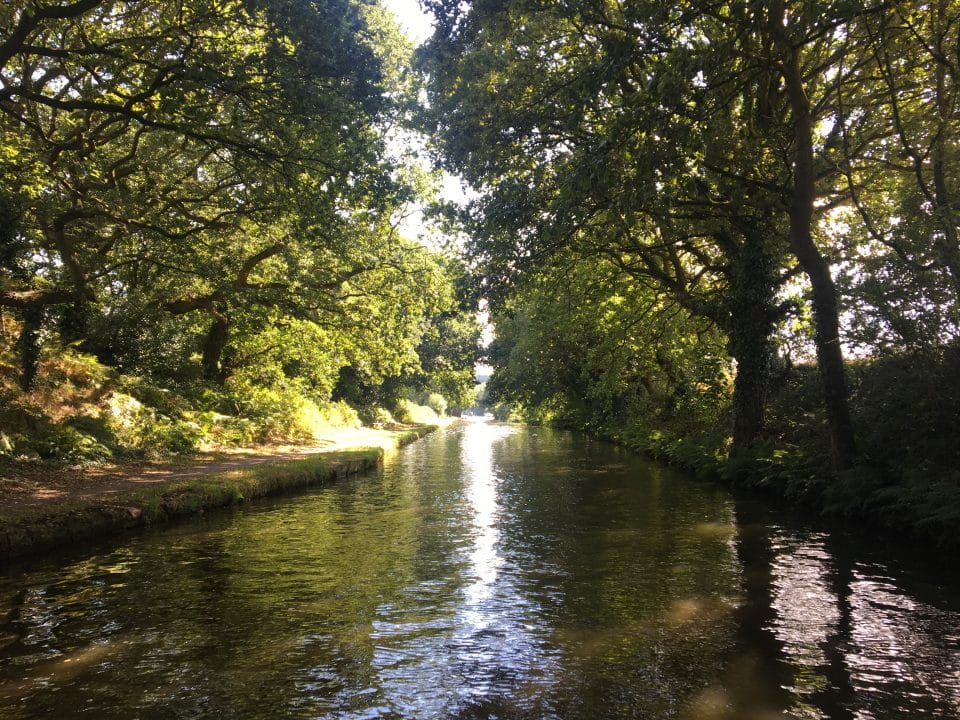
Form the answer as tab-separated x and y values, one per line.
486	572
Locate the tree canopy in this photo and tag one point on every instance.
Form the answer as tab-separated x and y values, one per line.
779	172
209	191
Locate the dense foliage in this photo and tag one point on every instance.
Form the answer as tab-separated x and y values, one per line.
688	213
206	195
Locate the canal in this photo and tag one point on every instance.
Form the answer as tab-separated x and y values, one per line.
487	571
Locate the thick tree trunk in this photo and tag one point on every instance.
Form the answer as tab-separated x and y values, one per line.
32	305
749	392
214	344
74	321
752	314
28	345
830	359
816	267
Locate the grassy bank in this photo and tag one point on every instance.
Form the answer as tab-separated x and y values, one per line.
72	446
31	530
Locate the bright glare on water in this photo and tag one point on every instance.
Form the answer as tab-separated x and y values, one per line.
488	571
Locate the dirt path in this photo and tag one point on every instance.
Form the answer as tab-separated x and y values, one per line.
29	485
44	507
33	485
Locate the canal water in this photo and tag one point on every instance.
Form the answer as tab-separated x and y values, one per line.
486	572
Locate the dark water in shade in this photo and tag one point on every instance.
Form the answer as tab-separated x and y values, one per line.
486	572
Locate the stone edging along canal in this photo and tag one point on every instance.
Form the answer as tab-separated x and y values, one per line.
36	530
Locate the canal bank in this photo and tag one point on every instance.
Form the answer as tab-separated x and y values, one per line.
42	515
924	511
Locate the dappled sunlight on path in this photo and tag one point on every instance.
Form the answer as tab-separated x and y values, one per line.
33	485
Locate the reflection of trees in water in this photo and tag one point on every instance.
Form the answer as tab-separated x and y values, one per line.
811	619
643	578
854	641
758	673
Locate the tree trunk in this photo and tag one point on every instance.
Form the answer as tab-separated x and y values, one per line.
73	324
213	346
28	345
749	392
752	314
830	360
816	267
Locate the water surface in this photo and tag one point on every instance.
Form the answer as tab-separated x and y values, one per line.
487	572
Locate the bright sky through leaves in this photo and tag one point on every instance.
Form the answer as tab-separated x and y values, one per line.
416	23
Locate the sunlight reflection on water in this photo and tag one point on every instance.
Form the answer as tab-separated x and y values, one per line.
482	493
487	643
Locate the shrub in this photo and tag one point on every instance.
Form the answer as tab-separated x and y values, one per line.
381	417
227	430
277	413
66	443
95	426
408	411
141	429
338	415
506	412
160	399
438	403
165	436
287	413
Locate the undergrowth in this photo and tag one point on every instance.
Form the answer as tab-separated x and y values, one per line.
80	411
906	410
